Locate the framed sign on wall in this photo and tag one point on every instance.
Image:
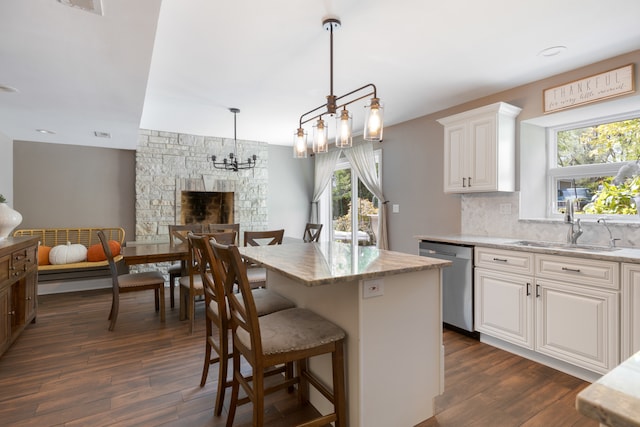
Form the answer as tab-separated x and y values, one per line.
609	84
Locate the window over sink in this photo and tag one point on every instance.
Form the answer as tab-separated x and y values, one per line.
588	156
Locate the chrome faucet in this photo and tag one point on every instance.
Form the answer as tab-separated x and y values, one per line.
612	240
572	234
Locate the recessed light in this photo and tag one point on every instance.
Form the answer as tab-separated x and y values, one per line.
5	88
46	131
552	51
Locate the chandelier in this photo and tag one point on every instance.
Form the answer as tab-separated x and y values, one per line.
231	162
373	121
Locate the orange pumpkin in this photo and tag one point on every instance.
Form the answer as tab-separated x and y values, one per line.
95	252
43	255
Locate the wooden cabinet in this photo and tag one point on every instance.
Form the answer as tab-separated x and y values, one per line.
479	149
18	287
630	310
563	307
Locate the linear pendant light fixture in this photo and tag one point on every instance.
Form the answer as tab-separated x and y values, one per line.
373	124
231	163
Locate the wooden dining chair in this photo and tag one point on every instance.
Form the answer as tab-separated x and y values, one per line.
311	232
178	234
213	275
217	228
292	335
258	275
131	282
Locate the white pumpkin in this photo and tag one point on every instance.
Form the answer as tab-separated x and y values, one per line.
67	254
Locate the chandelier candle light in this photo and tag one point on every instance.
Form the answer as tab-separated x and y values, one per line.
231	163
373	121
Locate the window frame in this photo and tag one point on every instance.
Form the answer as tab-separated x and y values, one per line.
555	172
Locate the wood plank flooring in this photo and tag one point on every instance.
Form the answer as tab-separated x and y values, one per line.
69	370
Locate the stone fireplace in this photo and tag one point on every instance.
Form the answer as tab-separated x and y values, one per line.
168	165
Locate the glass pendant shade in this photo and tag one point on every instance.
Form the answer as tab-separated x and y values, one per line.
300	144
320	137
373	122
344	126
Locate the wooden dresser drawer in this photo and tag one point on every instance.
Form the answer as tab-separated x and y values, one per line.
579	271
504	260
23	260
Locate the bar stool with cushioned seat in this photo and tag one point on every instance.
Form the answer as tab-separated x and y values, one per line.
258	275
191	285
178	234
217	314
131	282
292	335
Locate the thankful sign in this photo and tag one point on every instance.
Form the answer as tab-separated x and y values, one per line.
590	89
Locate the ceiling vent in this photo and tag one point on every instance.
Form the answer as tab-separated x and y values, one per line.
93	6
102	134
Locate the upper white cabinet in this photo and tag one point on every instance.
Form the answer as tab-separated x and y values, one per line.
479	149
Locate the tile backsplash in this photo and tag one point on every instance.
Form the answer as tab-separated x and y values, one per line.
497	215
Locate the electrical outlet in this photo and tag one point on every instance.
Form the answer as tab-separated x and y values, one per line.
395	208
505	208
372	288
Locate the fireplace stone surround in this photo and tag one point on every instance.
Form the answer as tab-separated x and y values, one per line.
168	163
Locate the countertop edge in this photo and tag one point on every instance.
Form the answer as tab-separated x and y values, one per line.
630	255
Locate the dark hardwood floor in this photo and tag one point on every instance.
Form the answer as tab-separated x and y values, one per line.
69	370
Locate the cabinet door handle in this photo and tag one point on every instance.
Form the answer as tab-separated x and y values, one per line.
469	181
500	259
537	291
528	288
464	182
575	270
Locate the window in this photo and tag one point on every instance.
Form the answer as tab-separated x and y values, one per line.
594	165
350	206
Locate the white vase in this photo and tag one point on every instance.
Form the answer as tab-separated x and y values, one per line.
9	219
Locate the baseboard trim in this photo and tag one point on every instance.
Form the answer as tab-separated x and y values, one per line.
73	286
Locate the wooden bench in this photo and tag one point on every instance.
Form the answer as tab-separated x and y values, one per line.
79	270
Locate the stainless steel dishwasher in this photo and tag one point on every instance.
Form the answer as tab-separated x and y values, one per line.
457	282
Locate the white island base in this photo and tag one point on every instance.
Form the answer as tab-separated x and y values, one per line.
394	352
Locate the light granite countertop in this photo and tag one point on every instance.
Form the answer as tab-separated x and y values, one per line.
614	400
330	262
583	251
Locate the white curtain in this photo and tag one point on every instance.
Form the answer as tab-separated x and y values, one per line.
324	165
364	163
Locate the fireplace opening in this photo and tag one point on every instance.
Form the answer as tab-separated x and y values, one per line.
206	207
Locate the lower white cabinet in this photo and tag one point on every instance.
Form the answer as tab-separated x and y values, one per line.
577	324
571	314
503	307
630	310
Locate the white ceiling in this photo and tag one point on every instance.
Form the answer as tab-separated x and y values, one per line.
179	66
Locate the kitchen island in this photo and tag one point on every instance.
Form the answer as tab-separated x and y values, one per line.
389	304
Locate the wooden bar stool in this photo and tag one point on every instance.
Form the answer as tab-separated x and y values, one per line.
292	335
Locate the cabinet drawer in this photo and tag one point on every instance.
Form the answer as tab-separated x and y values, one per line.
504	260
23	260
579	271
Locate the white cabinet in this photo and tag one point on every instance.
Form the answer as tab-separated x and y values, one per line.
577	324
479	149
563	307
503	308
630	310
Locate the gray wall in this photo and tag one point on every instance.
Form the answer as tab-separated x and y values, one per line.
6	168
60	186
290	190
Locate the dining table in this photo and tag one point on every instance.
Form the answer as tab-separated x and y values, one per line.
154	252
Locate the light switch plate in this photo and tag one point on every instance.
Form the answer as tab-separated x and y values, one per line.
395	208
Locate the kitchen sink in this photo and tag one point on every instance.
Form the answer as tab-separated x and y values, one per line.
567	246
